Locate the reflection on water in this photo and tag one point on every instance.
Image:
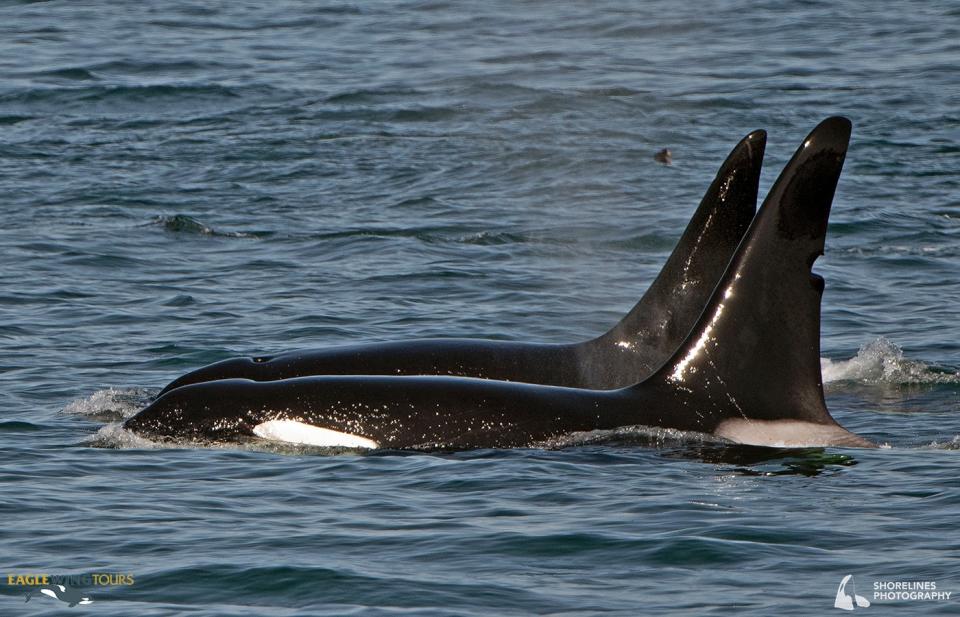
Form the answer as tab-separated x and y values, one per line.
763	461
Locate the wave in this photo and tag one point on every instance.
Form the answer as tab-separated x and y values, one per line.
882	362
343	590
14	426
155	66
14	119
951	444
97	93
181	223
632	435
113	436
75	73
373	95
111	404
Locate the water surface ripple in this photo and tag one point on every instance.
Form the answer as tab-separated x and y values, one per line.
184	182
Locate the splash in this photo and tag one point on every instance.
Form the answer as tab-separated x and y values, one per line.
111	404
951	444
882	362
630	435
116	437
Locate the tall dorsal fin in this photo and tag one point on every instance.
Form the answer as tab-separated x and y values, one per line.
750	368
660	321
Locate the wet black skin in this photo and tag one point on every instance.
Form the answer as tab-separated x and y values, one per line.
633	349
752	356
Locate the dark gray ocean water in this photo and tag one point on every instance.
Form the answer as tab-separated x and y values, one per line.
186	182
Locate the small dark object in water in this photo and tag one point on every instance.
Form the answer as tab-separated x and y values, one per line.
664	156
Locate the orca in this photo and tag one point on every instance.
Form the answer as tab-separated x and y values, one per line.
634	348
747	372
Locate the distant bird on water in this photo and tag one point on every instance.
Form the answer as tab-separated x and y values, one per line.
664	156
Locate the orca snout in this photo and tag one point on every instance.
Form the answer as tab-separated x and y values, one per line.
221	410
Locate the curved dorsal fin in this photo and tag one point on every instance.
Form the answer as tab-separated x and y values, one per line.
659	322
750	368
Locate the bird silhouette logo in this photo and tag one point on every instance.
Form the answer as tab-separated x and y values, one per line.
847	601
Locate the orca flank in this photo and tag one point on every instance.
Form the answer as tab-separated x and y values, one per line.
748	371
634	348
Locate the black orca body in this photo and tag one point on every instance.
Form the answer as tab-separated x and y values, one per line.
633	349
748	371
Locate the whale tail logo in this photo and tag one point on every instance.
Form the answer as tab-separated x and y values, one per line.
846	601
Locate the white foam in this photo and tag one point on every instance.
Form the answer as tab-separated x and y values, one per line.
635	433
291	431
951	444
113	435
883	362
110	404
